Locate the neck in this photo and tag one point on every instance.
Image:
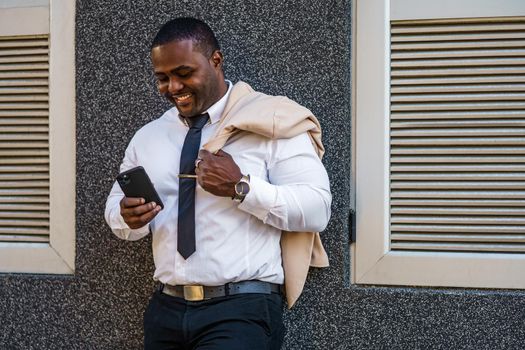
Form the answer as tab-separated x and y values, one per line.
223	88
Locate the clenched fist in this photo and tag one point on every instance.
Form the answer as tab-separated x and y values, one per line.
217	173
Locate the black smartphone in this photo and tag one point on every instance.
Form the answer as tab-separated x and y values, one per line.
135	182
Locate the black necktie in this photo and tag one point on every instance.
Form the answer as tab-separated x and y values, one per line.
190	150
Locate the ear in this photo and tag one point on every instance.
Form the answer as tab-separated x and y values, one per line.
217	58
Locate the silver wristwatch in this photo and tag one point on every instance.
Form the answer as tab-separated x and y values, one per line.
242	188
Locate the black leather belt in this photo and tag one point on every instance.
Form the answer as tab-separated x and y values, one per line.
198	293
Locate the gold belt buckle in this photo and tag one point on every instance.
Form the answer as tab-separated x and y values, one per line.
193	293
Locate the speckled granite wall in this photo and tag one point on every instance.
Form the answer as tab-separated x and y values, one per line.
295	48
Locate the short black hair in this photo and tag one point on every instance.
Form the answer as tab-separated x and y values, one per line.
188	28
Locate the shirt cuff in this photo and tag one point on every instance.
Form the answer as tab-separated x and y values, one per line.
261	198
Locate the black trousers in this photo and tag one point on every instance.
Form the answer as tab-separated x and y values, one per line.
243	322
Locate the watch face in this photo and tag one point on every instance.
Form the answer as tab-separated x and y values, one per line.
242	188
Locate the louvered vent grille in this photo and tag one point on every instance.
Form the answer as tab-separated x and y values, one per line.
24	136
458	136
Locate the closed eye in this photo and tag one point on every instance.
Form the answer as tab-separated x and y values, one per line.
183	73
161	77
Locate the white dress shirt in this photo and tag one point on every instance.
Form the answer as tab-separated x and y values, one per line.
289	190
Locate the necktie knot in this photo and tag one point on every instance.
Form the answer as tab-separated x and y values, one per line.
198	121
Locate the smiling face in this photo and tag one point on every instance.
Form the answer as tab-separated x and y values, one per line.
187	78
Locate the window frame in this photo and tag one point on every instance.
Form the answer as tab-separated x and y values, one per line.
57	256
371	259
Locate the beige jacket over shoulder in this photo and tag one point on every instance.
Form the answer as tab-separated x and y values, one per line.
276	117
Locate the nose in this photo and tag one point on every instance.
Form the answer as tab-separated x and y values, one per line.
174	86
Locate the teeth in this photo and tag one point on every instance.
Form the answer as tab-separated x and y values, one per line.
182	97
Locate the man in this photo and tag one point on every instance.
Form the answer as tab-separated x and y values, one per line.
216	243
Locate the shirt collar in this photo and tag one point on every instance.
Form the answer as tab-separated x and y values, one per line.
216	109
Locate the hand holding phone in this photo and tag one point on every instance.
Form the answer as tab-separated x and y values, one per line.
141	202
